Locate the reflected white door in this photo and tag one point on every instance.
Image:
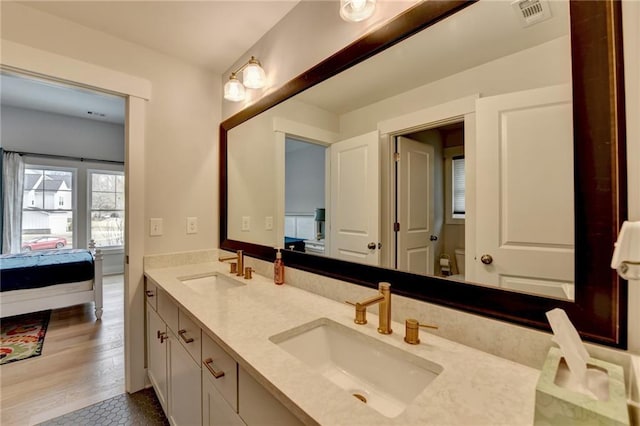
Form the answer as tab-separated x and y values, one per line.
415	168
355	199
525	191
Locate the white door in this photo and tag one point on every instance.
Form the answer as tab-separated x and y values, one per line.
355	195
524	189
415	206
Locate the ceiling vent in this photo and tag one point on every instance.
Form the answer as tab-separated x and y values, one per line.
531	11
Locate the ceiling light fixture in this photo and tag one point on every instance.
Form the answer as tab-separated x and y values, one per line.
253	77
356	10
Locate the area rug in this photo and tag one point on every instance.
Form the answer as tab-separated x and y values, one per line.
22	336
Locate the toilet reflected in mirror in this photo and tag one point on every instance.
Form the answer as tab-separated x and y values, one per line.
459	265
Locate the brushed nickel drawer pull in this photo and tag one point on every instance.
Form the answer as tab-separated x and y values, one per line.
207	363
182	334
149	293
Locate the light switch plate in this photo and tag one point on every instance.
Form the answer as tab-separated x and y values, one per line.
192	225
155	226
268	223
246	223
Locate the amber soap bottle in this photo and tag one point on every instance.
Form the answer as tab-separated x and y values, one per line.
278	269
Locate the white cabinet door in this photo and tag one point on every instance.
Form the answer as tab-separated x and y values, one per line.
524	191
355	199
215	410
185	386
258	407
157	356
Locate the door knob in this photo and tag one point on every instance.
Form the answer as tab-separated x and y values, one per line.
486	259
371	246
433	238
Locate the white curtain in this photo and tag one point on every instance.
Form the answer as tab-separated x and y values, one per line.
12	191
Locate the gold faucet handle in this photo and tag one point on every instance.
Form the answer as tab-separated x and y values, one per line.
247	272
412	330
233	268
361	312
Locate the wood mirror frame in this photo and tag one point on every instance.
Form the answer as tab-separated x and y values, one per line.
600	308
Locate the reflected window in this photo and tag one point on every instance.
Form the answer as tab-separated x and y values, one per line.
458	188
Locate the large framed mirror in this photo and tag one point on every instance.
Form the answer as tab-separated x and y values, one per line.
546	191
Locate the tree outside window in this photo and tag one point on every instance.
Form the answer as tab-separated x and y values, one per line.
107	208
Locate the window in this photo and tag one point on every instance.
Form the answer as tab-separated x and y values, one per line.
47	208
106	212
457	196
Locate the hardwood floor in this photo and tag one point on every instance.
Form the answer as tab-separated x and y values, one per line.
82	363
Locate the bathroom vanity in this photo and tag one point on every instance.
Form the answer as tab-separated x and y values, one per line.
275	350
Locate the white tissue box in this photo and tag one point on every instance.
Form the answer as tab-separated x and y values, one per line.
556	405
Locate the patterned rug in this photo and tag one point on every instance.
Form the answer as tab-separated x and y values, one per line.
22	336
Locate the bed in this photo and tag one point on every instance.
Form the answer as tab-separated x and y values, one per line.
50	279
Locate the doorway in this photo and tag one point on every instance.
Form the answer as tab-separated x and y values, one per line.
136	91
429	201
305	196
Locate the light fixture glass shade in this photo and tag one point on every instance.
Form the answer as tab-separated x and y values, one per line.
233	89
356	10
253	75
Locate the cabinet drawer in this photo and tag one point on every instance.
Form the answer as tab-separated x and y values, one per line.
150	294
168	310
189	335
215	361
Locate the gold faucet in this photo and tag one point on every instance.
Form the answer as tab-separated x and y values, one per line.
239	258
384	313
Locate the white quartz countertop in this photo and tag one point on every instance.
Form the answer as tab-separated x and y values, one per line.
474	388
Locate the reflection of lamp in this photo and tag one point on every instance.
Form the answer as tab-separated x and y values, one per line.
253	77
626	254
319	217
356	10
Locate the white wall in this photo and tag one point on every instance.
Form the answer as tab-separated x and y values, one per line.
256	164
527	69
181	154
27	130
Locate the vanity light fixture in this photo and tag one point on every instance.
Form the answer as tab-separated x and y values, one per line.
253	77
356	10
626	254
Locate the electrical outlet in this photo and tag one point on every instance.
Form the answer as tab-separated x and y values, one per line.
268	223
155	226
192	225
246	223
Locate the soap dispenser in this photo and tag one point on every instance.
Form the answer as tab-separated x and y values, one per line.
278	269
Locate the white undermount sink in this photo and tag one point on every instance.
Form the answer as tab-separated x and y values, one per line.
386	378
204	283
